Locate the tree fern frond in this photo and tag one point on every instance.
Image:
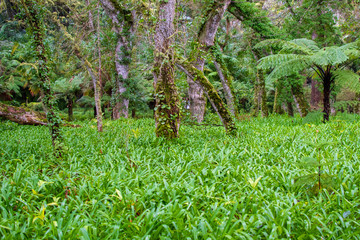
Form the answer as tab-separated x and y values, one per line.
329	56
347	78
304	42
273	61
291	67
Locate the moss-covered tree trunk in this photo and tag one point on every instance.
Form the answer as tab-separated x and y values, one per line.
262	92
123	21
167	109
277	102
297	91
206	36
34	13
211	93
22	116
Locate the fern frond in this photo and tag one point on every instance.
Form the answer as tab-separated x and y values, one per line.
295	47
347	78
273	61
329	56
290	67
306	43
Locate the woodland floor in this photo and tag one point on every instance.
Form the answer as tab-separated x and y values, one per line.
126	184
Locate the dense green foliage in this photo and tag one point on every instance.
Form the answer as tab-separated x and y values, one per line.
124	183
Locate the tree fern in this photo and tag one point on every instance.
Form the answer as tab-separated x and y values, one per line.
347	78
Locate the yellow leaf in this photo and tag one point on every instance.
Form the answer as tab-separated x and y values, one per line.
252	183
36	193
41	182
41	215
119	196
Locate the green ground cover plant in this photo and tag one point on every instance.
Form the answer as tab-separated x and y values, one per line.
125	183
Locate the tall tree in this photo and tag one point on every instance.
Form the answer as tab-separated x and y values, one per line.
205	38
123	21
167	110
34	16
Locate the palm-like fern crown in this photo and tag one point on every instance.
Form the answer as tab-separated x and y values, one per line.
300	54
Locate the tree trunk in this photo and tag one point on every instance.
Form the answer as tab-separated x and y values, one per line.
211	93
327	91
34	20
277	103
206	36
298	93
256	100
226	81
315	94
70	108
167	110
290	109
123	22
97	82
262	91
22	116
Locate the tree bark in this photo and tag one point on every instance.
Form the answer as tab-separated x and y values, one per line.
22	116
33	18
277	102
206	36
167	110
70	106
315	94
298	93
123	21
327	91
196	75
290	109
262	91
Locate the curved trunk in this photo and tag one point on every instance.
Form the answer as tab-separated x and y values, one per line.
206	36
226	81
212	95
167	110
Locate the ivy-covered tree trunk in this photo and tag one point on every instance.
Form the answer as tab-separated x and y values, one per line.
211	93
206	36
34	15
123	21
289	107
167	109
298	93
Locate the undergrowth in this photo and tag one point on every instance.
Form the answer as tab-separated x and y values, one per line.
126	184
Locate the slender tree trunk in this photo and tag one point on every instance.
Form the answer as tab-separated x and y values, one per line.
167	110
90	22
123	21
262	91
10	9
211	93
96	83
70	108
256	100
226	81
33	18
206	36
